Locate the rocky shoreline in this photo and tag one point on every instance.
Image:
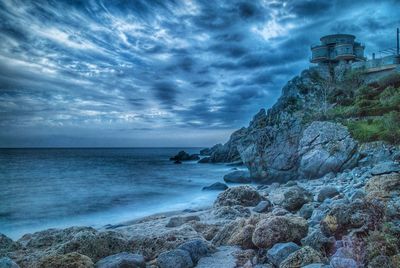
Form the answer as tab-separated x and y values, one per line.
321	198
349	219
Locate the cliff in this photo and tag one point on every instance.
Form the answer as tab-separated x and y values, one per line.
316	127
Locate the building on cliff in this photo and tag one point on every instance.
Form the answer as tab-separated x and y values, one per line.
340	52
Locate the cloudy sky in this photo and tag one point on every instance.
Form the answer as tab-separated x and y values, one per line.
158	72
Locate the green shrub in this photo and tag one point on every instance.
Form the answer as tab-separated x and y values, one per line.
386	128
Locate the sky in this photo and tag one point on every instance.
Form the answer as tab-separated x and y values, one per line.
155	73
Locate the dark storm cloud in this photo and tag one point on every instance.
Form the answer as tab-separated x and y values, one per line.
112	67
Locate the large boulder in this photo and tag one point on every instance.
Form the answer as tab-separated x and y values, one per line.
122	260
279	229
344	217
295	197
326	147
72	259
240	195
238	176
176	258
382	186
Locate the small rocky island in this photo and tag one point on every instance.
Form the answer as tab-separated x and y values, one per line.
324	174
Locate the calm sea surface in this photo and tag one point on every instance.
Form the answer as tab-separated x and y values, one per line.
46	188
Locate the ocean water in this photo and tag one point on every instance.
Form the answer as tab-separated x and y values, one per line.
56	188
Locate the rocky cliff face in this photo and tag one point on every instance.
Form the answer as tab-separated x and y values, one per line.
282	144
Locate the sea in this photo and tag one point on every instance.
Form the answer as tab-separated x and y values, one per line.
62	187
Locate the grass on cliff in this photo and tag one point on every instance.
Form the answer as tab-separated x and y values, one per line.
372	111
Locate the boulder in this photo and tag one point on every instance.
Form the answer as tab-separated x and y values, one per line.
386	167
122	260
295	197
96	245
238	176
68	260
327	192
301	258
326	147
263	206
240	195
381	261
6	262
338	262
180	220
318	241
151	243
278	229
184	156
243	237
306	210
382	186
197	249
280	252
218	186
361	213
176	258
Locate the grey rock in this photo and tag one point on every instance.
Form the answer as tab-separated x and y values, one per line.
302	257
306	210
122	260
240	195
327	192
218	186
238	176
295	197
197	249
176	258
280	252
357	194
263	206
326	147
184	156
318	241
316	265
231	212
385	168
278	211
279	229
337	262
180	220
6	262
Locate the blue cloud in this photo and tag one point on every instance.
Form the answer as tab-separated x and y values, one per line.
129	69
